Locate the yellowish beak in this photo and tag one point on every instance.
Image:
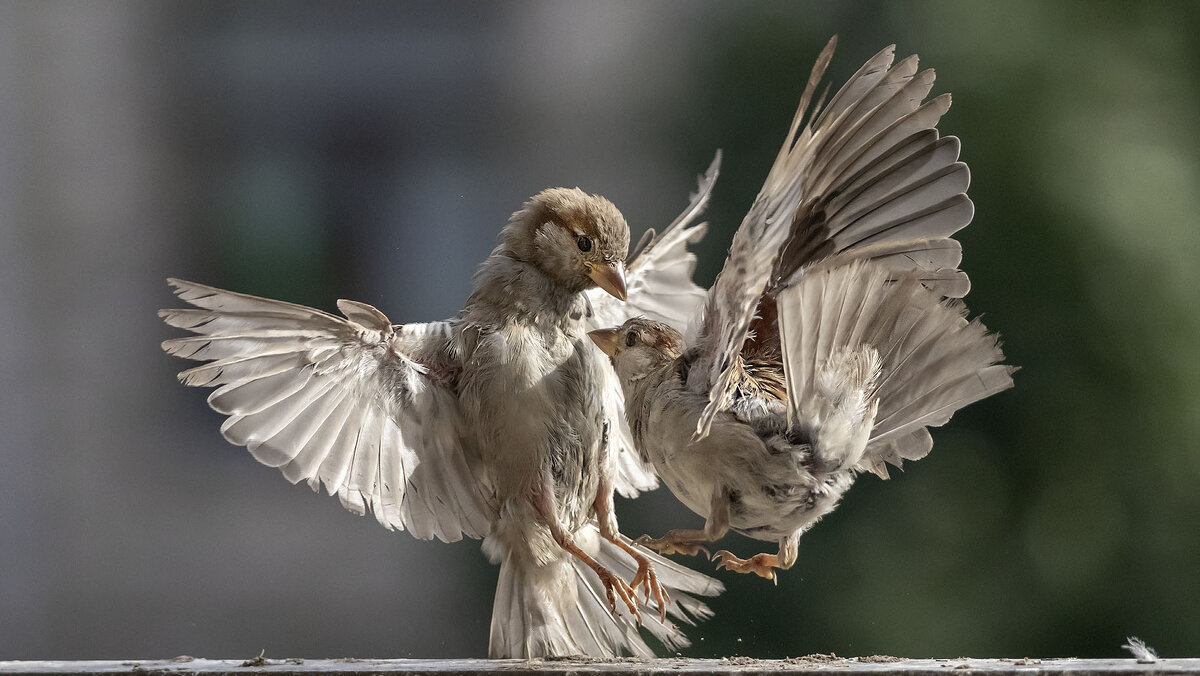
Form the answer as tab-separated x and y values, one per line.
605	339
610	277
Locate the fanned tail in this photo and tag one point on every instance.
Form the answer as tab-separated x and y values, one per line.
930	360
557	608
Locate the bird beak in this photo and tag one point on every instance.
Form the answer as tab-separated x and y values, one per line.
610	277
605	339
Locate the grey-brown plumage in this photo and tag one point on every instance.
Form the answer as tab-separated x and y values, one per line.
830	341
868	363
501	423
867	174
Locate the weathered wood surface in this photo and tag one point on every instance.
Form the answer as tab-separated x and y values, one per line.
816	664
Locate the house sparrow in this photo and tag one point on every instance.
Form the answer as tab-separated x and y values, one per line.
808	366
866	362
501	423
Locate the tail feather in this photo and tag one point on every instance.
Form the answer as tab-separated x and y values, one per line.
932	360
559	607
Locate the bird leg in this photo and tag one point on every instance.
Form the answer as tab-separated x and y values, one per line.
763	565
679	541
542	500
603	506
646	573
688	540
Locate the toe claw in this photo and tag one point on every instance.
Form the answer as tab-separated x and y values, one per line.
653	591
762	565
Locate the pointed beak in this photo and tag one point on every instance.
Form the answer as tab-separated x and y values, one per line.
605	339
610	277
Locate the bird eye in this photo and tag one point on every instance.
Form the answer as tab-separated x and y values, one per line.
585	244
630	339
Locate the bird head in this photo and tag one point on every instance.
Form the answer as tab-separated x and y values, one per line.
576	239
638	346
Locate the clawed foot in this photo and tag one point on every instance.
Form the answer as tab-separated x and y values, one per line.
667	545
653	589
614	586
762	565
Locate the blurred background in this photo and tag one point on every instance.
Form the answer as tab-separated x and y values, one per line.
370	150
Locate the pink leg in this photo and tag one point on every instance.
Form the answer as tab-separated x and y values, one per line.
543	502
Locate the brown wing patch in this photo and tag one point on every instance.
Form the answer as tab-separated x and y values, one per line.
764	378
759	377
763	340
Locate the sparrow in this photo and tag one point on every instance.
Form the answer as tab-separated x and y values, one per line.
833	336
501	423
867	361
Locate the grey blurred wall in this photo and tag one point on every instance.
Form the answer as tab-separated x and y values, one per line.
372	150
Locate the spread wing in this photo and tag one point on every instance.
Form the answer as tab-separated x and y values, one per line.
355	404
660	286
866	177
659	270
732	301
883	184
933	361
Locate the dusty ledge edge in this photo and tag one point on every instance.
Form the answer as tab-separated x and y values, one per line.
677	666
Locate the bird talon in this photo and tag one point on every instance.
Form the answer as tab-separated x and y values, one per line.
614	587
668	545
653	590
762	565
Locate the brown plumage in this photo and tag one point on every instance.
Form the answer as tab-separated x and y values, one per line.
827	346
501	423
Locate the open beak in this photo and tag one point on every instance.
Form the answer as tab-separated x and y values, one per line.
605	339
610	277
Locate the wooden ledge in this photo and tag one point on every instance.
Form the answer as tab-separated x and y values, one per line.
820	664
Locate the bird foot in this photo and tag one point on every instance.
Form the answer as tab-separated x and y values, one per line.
653	590
615	587
762	565
672	544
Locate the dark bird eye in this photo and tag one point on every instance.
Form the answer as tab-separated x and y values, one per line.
630	339
585	244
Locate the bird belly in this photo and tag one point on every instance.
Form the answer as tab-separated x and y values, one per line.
535	417
770	491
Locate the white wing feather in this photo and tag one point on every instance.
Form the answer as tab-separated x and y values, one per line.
356	404
659	271
866	177
734	296
660	287
932	360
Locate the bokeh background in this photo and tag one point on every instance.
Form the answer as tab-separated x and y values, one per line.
370	150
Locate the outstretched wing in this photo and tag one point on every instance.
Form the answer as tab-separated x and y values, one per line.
734	296
659	269
660	286
932	360
866	177
355	404
882	184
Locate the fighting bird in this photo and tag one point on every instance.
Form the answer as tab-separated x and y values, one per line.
501	423
833	336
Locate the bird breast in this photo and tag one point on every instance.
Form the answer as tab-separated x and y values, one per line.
747	455
531	395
